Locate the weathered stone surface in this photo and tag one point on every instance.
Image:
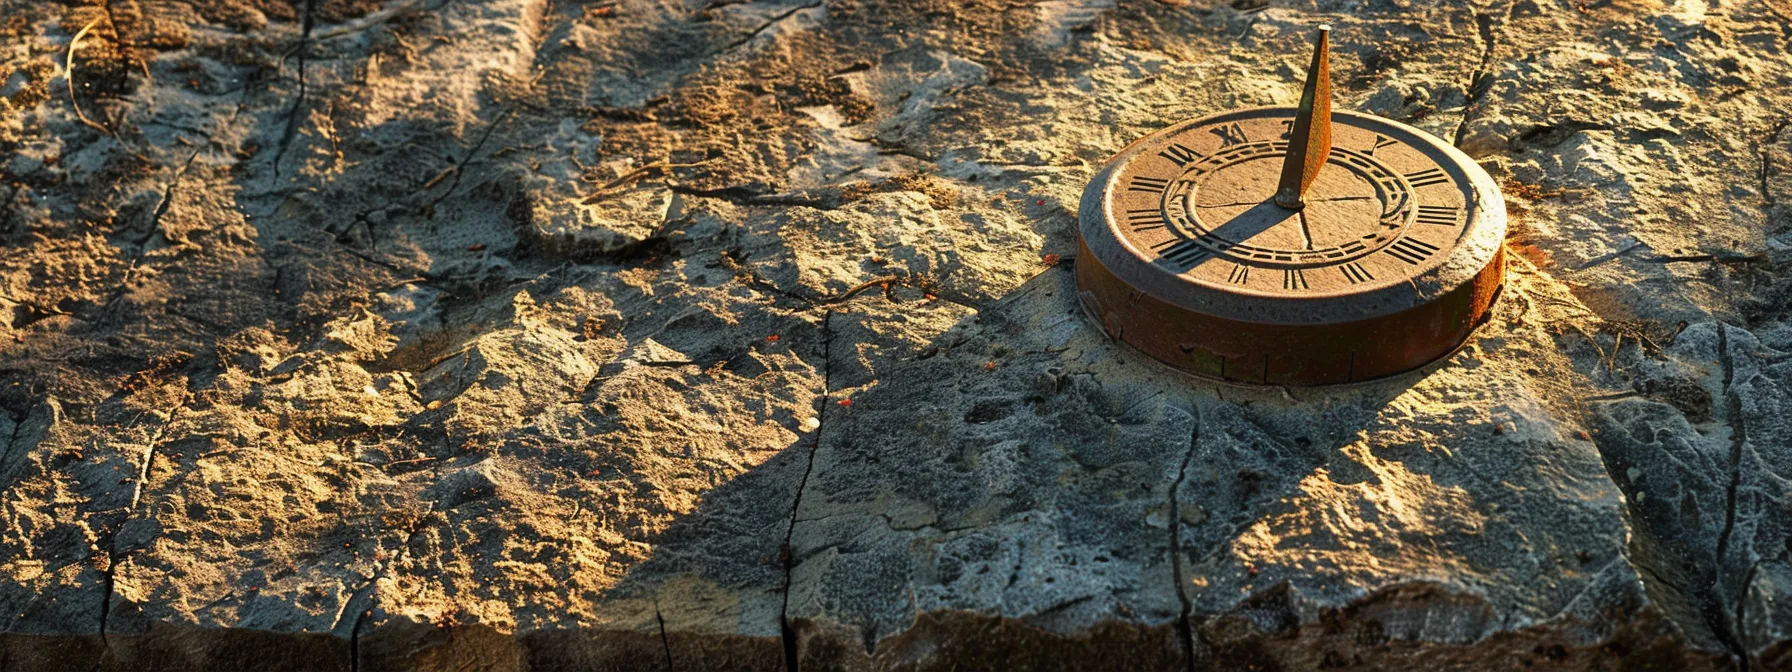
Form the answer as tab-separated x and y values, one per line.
509	334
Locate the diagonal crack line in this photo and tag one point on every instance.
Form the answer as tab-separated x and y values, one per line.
12	442
354	642
665	642
298	101
155	225
768	24
787	634
1713	602
106	613
358	595
459	168
149	454
162	206
1738	437
1482	80
1184	631
367	590
356	607
112	555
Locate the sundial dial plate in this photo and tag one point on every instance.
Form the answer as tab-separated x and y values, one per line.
1194	205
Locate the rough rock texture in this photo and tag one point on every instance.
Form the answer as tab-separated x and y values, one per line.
714	334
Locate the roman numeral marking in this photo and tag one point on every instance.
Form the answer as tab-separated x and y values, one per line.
1443	215
1293	278
1380	142
1355	273
1411	251
1149	185
1230	134
1427	177
1240	274
1187	253
1145	219
1179	154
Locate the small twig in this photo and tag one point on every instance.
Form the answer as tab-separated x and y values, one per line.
855	291
1718	257
369	21
1600	260
413	460
604	192
68	72
399	284
431	184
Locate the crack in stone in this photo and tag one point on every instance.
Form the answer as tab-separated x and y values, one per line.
1701	591
459	168
155	225
665	642
298	102
1184	631
367	590
1482	80
787	634
1712	602
1738	436
113	557
360	615
12	442
155	220
105	614
149	454
354	646
767	26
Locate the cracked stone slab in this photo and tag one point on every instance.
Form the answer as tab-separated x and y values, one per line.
367	335
1013	473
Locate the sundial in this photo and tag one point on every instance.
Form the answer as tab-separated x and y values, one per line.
1291	245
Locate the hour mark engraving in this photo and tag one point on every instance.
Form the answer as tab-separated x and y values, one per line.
1150	185
1444	215
1427	177
1230	134
1293	278
1145	219
1241	274
1187	253
1355	273
1380	142
1179	154
1411	251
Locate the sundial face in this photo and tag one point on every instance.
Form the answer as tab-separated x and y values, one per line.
1202	207
1291	245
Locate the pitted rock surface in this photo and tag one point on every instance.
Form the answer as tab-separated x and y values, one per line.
686	334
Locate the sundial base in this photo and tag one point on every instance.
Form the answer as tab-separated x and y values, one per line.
1279	354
